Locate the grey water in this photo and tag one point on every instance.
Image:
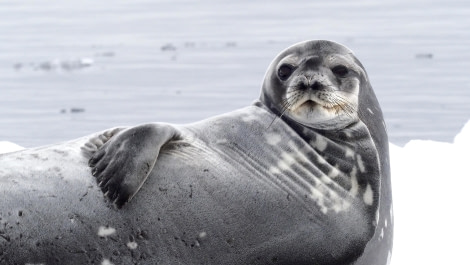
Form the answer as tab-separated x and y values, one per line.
70	68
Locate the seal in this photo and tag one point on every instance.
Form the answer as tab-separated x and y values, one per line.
299	177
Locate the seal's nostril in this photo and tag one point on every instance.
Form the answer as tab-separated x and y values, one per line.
302	86
316	85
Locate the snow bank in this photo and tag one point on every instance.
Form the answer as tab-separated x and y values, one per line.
431	183
6	147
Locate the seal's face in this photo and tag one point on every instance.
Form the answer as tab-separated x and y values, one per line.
315	83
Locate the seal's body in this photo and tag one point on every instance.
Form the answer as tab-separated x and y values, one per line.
266	184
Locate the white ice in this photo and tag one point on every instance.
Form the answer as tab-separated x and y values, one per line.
430	185
430	182
7	147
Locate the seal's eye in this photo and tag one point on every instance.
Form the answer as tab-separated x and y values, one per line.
284	71
340	70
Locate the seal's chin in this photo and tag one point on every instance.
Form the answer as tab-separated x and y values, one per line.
320	115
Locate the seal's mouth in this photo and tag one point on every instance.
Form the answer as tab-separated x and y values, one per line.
314	104
309	104
318	106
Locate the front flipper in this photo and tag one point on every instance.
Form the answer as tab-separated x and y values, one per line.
124	160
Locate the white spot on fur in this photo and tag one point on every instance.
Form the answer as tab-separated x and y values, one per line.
334	172
349	152
377	216
321	194
370	110
202	235
360	163
274	170
318	197
325	179
381	236
104	231
292	144
273	138
319	143
368	195
132	245
354	184
321	160
106	262
389	257
283	165
288	158
341	206
386	222
221	141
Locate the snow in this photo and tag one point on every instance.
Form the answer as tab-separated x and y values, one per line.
430	184
7	147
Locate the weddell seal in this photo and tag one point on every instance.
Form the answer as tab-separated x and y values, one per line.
300	177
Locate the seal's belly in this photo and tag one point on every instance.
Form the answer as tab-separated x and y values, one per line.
225	203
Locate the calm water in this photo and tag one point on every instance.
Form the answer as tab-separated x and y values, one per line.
71	68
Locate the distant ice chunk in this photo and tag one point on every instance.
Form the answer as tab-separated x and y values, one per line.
57	65
85	62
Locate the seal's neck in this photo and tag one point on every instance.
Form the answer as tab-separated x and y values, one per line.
350	151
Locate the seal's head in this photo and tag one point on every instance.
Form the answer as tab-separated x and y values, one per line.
315	83
321	90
